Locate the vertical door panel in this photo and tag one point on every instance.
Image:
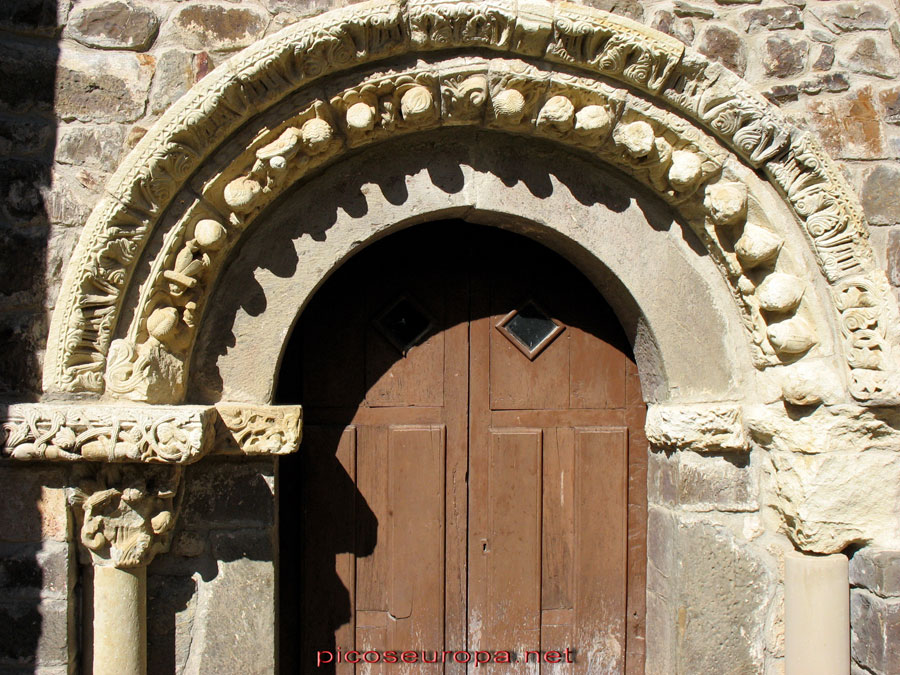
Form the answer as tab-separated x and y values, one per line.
600	548
506	611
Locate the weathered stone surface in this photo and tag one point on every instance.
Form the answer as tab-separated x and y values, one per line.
738	2
725	590
218	27
784	57
782	93
877	570
870	56
890	102
881	201
825	59
75	193
849	16
113	24
849	127
174	76
701	483
23	335
725	46
772	18
171	608
36	17
234	624
34	633
668	23
25	136
23	489
23	284
701	427
227	494
21	184
684	9
298	8
27	67
633	9
821	462
875	631
91	146
35	570
99	87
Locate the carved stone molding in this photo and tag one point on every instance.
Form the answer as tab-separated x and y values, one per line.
575	102
125	513
712	427
145	434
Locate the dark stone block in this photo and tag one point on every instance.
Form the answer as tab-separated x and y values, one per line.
249	544
21	632
876	570
772	18
38	17
27	76
881	202
725	46
875	632
228	495
784	57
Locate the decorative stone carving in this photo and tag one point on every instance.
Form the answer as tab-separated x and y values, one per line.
780	293
165	434
757	246
792	336
149	434
258	430
700	427
125	514
149	363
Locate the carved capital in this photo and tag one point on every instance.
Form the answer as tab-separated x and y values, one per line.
125	513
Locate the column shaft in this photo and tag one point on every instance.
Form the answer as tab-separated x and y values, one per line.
120	621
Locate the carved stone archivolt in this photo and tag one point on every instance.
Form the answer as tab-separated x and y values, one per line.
599	84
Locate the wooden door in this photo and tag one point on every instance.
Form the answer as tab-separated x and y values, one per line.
472	471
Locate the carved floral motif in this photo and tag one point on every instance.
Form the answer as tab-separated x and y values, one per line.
258	430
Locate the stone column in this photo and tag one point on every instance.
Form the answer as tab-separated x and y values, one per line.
816	614
125	514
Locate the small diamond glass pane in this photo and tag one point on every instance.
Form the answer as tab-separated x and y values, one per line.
404	324
530	326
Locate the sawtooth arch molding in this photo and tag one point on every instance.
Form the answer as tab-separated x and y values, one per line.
689	130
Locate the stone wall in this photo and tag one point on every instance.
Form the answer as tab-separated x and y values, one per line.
80	84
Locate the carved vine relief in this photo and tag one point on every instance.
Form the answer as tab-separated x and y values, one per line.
576	104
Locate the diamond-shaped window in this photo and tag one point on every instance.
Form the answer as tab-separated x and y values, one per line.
530	329
404	323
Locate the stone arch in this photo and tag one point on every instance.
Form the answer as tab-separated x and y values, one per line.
690	131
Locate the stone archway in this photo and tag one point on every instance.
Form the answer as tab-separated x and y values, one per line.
783	231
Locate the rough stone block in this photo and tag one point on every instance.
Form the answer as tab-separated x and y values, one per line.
23	335
24	488
174	76
772	18
113	25
869	55
662	477
27	67
250	544
218	27
21	184
832	83
171	609
25	136
725	46
881	202
34	633
102	87
228	495
784	57
875	632
22	284
93	146
876	570
725	589
890	102
35	17
234	625
714	482
825	59
850	16
851	127
668	23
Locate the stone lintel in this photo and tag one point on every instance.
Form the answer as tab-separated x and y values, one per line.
167	434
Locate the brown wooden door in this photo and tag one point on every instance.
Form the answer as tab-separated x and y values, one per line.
472	471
